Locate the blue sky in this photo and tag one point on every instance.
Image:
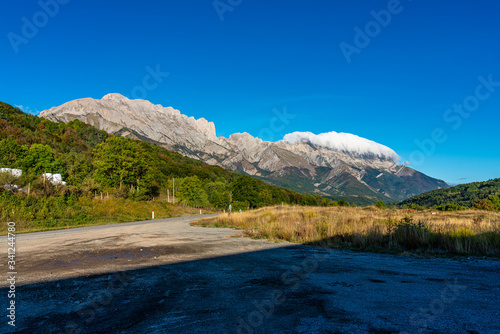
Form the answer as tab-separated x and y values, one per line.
275	67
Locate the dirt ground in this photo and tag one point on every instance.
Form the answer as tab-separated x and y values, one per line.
165	276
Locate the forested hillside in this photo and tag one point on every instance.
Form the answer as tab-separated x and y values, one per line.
480	195
92	161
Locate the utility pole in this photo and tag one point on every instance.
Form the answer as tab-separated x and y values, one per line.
44	176
168	195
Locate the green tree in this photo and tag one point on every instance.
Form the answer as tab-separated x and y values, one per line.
342	203
78	166
149	185
381	205
266	197
11	153
246	189
449	207
495	200
118	162
484	204
472	188
191	192
39	159
217	193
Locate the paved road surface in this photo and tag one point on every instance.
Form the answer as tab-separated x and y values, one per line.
165	276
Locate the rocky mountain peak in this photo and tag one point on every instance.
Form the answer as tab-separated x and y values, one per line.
115	97
330	164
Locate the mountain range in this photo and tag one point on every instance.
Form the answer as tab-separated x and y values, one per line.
334	165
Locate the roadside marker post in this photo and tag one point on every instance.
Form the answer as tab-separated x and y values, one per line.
153	214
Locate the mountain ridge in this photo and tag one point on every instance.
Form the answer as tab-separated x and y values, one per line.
335	165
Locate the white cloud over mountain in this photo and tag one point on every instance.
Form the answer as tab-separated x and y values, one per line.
343	142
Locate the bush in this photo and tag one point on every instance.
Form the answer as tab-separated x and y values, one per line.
485	204
411	235
450	207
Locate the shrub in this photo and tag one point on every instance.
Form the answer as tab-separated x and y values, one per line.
485	204
450	207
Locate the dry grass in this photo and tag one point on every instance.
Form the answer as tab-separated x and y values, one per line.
372	229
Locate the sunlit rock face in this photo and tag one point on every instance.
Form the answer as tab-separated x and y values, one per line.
329	164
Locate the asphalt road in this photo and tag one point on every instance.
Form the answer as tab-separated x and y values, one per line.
165	276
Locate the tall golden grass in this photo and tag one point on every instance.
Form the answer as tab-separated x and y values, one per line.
372	229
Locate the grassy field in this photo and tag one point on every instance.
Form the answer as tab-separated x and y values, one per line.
372	229
41	214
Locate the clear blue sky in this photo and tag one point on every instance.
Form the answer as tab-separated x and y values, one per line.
267	55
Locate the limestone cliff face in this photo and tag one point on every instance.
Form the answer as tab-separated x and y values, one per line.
114	113
300	164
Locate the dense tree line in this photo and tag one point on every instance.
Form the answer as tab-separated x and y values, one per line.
480	195
93	161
